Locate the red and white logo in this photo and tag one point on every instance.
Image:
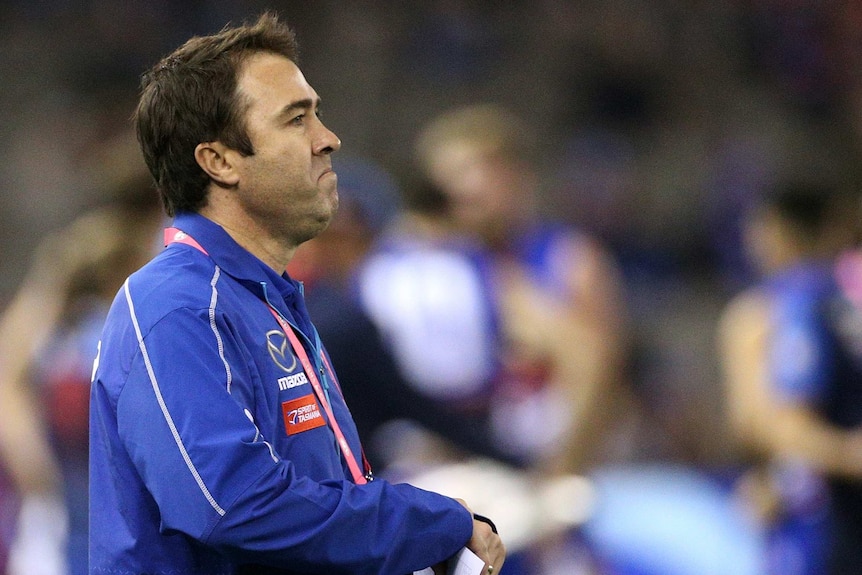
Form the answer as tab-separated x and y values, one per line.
302	414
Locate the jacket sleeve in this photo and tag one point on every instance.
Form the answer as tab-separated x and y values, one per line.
215	480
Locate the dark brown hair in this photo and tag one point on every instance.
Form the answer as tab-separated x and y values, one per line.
190	97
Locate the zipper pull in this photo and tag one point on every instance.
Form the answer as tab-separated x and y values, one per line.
323	377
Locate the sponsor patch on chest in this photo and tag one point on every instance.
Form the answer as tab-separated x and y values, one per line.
302	414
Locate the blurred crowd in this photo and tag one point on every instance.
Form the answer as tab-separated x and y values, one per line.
568	246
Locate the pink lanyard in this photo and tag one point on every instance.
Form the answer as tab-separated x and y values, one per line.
174	235
358	476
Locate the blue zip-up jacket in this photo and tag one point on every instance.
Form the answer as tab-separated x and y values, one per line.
198	466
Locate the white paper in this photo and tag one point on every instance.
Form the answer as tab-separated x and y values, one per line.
465	562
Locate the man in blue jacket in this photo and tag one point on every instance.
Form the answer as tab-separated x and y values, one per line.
220	442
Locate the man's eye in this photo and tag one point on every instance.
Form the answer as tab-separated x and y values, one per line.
297	120
318	113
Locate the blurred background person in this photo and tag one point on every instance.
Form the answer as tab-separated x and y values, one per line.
48	338
548	344
790	348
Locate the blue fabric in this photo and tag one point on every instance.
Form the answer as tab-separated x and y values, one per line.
192	469
816	361
801	357
817	357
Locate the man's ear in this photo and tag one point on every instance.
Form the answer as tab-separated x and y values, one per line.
214	158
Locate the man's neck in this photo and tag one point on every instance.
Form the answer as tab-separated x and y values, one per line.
253	237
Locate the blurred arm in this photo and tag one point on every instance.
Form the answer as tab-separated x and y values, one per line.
764	422
24	327
582	334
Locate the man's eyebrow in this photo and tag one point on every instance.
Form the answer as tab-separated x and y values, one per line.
304	104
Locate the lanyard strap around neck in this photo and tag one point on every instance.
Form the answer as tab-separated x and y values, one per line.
174	235
177	236
358	476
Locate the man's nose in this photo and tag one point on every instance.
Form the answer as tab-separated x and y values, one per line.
327	141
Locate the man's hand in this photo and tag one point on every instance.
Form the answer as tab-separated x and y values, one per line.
486	544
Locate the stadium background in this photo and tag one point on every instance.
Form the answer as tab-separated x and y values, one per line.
658	123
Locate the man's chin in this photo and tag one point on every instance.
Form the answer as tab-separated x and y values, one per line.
324	220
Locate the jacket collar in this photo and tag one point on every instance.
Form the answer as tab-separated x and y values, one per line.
235	260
